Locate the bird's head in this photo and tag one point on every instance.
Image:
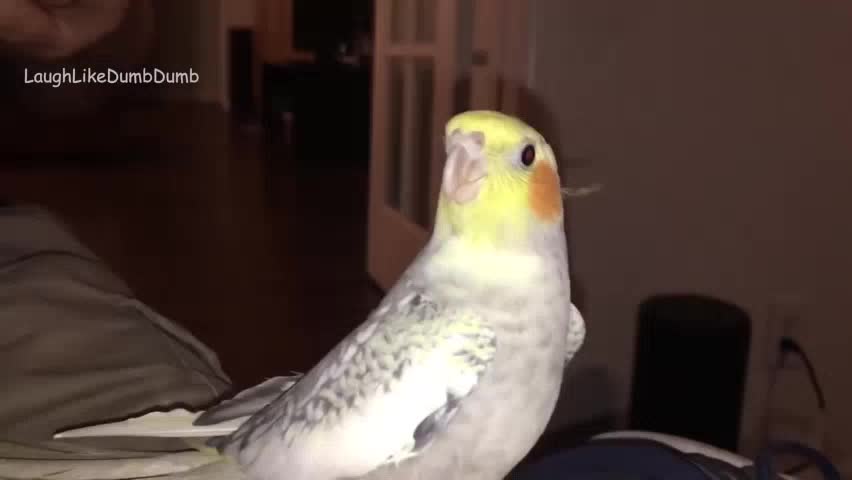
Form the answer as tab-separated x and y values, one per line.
500	182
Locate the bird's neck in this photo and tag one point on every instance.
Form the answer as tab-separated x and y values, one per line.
504	230
494	266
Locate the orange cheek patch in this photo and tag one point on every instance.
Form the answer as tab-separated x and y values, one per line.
545	195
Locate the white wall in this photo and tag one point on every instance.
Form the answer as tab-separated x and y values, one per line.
722	132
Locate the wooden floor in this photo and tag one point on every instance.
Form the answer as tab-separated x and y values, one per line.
262	257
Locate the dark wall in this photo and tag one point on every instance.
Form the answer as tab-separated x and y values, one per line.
722	135
323	25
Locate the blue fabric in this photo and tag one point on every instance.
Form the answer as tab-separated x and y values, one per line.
614	459
643	459
765	470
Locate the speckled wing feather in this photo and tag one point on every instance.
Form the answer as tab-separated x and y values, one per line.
380	396
247	402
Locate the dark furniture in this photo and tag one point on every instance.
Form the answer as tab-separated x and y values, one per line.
690	368
329	103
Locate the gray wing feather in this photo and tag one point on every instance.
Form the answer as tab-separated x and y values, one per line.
417	359
249	401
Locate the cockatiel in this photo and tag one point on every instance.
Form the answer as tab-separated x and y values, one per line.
456	373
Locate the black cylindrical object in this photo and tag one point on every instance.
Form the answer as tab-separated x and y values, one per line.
690	368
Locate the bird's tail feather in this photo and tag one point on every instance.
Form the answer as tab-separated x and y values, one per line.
198	461
176	423
221	420
202	462
161	466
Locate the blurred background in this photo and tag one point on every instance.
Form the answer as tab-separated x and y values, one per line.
266	206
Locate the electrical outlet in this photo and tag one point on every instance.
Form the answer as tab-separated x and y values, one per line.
792	409
788	425
785	315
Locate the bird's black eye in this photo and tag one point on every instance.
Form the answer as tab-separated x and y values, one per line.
528	155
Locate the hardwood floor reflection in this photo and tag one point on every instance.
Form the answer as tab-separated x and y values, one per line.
258	255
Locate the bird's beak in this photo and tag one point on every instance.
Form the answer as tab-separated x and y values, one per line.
465	168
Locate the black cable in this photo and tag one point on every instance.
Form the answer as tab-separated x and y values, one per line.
788	345
791	346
